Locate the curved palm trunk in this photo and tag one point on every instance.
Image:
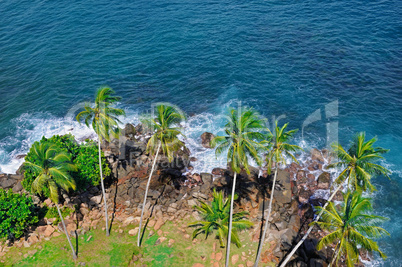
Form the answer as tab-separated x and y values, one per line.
103	188
334	258
310	229
146	194
230	221
65	231
257	260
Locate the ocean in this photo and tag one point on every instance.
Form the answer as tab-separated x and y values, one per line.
329	68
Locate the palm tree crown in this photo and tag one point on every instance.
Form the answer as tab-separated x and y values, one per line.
216	218
166	130
351	228
359	163
278	149
102	116
241	140
53	167
279	146
243	131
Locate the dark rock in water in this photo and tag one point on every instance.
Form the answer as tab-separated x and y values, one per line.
21	156
218	171
323	181
206	139
193	159
129	131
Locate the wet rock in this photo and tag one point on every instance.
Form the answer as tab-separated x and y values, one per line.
304	195
206	139
129	131
316	155
323	181
314	166
218	171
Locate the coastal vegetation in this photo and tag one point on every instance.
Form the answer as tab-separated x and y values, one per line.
359	167
242	141
351	228
54	169
216	217
17	213
104	121
56	166
166	136
84	156
279	149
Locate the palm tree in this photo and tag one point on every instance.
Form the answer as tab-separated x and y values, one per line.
359	167
104	121
53	168
166	136
350	228
280	148
241	142
216	218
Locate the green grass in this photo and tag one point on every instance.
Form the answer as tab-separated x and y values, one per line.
118	249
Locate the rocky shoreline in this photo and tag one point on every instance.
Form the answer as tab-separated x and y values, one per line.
174	190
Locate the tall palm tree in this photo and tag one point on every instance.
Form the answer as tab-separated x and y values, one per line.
103	118
53	168
216	218
351	228
359	167
166	136
241	141
280	148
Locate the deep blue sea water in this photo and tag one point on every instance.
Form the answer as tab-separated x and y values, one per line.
281	57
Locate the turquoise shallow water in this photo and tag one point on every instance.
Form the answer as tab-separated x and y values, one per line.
283	58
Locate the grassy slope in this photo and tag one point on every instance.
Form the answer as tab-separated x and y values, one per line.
118	249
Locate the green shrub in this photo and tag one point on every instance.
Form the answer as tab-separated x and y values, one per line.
87	162
17	212
84	156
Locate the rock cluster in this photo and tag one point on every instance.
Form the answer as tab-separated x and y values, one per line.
11	181
174	191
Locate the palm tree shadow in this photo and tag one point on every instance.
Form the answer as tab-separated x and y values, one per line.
263	184
152	211
114	206
303	226
78	215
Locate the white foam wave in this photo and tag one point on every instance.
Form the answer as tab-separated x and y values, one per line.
30	128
